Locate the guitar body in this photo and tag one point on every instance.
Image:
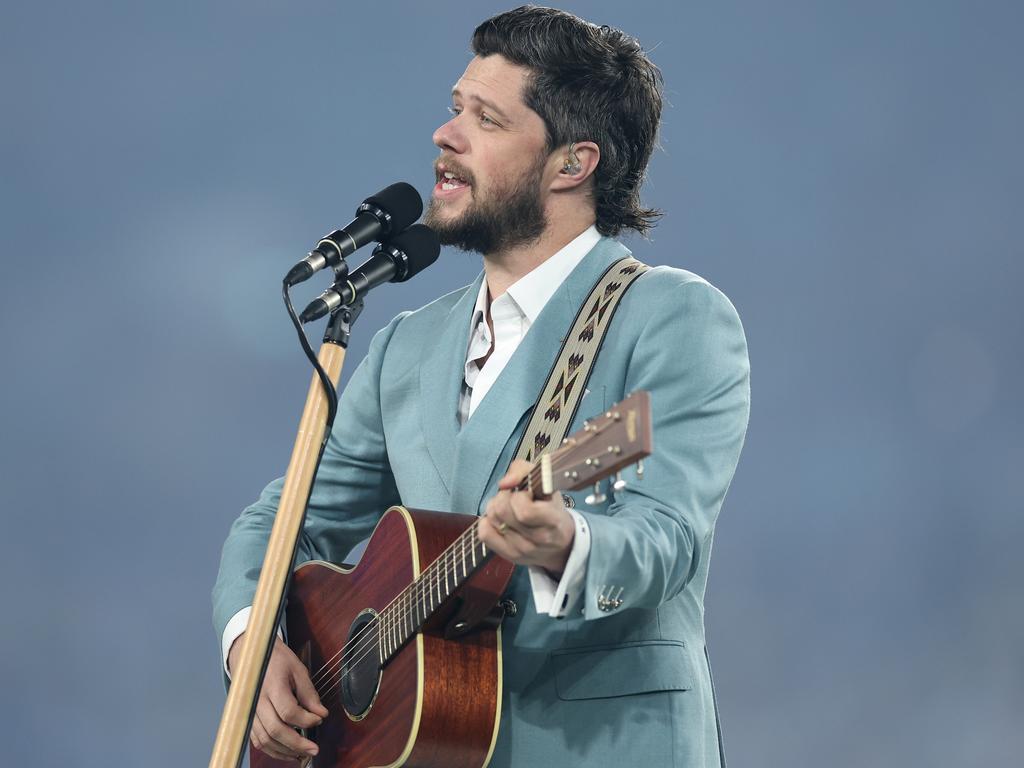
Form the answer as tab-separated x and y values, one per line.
437	701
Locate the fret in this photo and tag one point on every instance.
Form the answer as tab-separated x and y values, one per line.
407	624
391	632
420	599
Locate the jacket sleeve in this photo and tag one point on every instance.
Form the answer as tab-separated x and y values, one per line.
353	487
650	541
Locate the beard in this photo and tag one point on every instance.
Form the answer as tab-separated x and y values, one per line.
511	215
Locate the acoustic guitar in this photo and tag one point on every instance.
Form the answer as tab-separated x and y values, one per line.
405	648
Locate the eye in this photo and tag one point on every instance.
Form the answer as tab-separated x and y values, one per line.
486	120
454	111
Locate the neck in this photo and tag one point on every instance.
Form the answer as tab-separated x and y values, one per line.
503	268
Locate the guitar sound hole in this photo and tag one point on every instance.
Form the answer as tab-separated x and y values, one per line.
361	668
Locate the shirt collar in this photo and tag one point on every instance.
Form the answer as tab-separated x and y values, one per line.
531	292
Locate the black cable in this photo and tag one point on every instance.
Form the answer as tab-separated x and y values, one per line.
332	409
325	380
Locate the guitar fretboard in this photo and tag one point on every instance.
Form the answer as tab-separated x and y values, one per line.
407	613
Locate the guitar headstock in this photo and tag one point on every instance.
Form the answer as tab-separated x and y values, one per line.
607	444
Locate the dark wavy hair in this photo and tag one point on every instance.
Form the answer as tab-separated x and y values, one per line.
588	83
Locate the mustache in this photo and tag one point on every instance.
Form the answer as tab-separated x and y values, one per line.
452	167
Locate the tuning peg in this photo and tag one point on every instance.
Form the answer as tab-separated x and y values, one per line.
619	483
640	470
597	497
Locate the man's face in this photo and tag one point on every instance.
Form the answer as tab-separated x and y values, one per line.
491	171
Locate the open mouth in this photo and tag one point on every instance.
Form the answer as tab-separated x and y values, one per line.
448	181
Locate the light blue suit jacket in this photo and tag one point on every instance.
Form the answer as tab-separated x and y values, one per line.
629	686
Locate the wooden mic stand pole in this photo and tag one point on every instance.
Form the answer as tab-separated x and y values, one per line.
236	719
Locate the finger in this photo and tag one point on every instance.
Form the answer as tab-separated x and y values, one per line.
281	731
294	714
307	696
262	741
499	513
520	549
515	474
281	692
494	505
527	513
488	534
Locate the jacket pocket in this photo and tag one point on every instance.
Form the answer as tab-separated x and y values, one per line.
622	670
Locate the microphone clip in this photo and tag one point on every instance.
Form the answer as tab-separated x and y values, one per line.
339	327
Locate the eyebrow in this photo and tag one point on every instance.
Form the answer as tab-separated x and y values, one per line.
489	104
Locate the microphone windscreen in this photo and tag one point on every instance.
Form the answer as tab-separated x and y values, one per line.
421	246
401	201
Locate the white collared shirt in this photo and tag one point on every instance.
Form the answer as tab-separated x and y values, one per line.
512	314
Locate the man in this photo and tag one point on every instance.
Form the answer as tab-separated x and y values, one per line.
553	123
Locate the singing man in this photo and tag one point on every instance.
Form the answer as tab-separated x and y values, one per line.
539	169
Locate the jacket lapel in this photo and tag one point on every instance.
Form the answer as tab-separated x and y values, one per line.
481	441
442	368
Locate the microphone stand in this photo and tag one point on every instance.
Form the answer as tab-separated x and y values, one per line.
279	560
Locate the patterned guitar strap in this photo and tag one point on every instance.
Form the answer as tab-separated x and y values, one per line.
560	399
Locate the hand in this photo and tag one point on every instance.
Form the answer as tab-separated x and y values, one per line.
524	531
287	701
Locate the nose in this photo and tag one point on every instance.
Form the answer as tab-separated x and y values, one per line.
450	136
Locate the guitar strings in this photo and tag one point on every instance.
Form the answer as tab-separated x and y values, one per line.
418	589
394	610
396	615
423	586
334	680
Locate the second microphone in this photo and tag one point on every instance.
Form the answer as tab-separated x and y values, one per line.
395	261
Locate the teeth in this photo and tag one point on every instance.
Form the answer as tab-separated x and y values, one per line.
449	175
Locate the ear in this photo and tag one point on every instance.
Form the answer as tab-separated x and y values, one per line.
574	164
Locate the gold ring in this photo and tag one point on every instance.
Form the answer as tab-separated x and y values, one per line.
502	527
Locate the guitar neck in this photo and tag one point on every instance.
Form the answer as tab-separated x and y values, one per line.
604	446
408	612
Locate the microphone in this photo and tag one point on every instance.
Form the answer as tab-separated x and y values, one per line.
378	217
395	261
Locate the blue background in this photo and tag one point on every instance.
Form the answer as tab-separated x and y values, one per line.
850	174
